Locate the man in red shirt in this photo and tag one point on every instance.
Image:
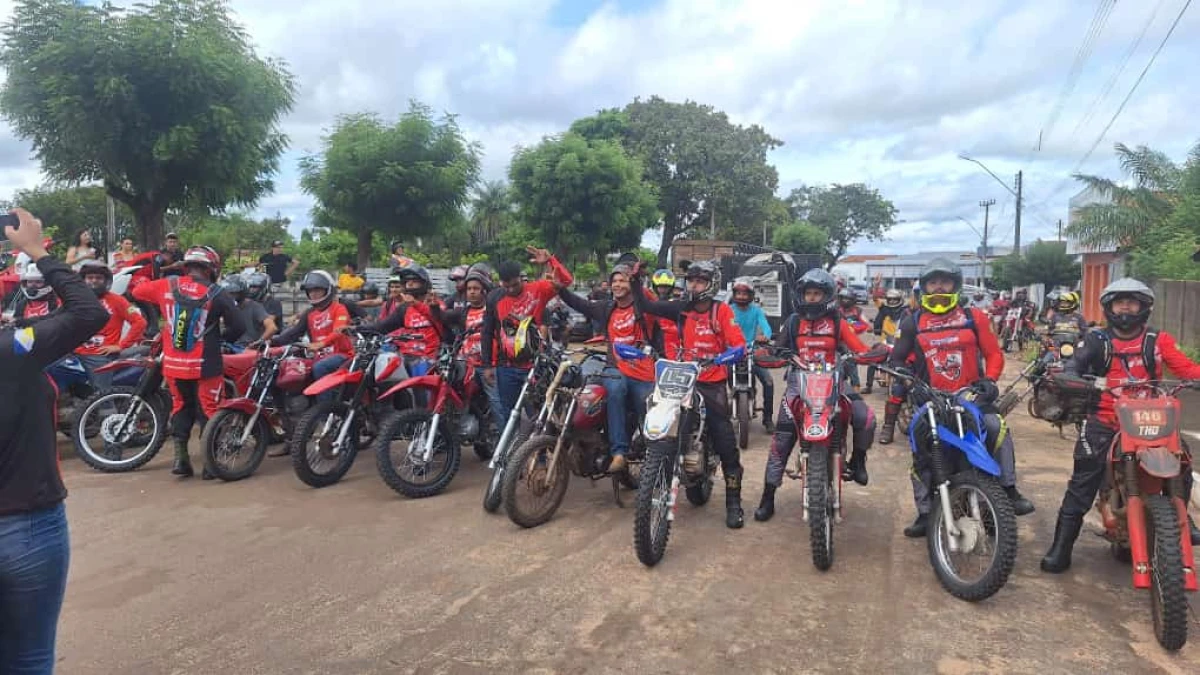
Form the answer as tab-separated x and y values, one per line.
707	328
664	282
507	307
626	383
192	306
417	315
1126	350
104	346
325	322
954	348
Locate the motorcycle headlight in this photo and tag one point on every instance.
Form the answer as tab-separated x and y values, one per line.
1067	349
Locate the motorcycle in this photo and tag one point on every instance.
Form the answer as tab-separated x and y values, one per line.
235	440
744	394
821	411
571	437
75	384
971	512
519	426
1013	329
1142	500
679	452
329	435
1051	400
455	417
124	416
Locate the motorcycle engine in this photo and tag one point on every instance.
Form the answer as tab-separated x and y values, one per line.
468	427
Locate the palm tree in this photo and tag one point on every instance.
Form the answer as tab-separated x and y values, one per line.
491	212
1133	214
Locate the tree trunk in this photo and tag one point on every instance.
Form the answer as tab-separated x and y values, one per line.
149	218
364	249
664	248
602	263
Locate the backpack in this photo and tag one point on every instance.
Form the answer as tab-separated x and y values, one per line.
187	312
649	329
916	315
1149	344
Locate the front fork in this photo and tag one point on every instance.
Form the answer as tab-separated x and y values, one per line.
1139	545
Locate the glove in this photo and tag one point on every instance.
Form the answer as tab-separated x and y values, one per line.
986	391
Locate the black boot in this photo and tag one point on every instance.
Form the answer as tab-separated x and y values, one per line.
735	518
919	527
856	468
891	411
1194	532
1021	505
869	388
183	463
768	426
1058	558
766	505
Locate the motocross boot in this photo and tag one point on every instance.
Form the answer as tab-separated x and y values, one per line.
891	412
734	516
856	468
183	463
919	527
766	505
1021	505
1058	558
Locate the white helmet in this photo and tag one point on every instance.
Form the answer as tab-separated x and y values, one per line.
32	273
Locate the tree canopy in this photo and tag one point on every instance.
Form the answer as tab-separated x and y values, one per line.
1046	262
846	213
801	237
71	210
407	179
166	104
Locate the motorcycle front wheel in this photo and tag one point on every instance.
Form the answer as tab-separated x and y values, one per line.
228	457
987	526
532	494
316	457
654	503
1168	596
818	478
494	494
743	403
118	420
399	454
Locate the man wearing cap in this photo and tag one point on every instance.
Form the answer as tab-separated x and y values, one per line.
277	264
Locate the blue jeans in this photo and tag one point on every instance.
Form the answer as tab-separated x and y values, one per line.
324	367
623	394
35	552
504	395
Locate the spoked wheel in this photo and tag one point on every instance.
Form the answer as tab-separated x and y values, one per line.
399	454
904	418
228	457
743	404
116	430
1168	597
986	546
318	459
820	507
531	493
494	494
654	504
698	493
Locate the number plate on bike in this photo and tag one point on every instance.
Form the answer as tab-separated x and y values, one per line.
1148	421
675	379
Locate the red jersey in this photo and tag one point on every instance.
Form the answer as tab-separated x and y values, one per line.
669	329
323	326
818	341
120	311
506	312
624	328
956	353
473	323
1128	363
706	334
36	308
191	311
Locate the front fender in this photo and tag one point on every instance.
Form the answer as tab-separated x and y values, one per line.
431	382
242	405
334	379
662	419
973	447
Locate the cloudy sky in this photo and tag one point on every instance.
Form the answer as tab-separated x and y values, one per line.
886	92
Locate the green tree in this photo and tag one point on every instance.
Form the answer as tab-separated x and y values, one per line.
847	213
1046	262
407	179
167	104
74	209
239	238
582	196
492	212
801	237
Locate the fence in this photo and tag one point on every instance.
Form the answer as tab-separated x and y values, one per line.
1171	299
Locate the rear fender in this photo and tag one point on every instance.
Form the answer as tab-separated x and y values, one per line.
333	380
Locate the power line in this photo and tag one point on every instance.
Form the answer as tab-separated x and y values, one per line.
1099	18
1112	81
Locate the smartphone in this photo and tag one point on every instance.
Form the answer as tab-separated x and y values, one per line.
10	220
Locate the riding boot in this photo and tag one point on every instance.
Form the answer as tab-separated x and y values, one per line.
857	467
869	386
734	516
766	505
919	527
1021	505
891	411
1058	558
183	463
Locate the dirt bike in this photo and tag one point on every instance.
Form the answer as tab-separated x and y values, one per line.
971	512
1142	501
1056	402
124	416
76	384
328	437
571	437
519	427
821	411
743	389
425	435
244	426
679	452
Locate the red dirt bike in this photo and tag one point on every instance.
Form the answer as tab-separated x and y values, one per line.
821	409
418	450
328	437
236	438
1142	502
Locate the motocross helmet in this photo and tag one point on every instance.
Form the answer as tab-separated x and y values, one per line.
742	284
846	298
662	277
940	303
893	298
1022	294
204	257
481	273
97	268
33	284
418	273
459	274
258	286
236	287
321	280
370	290
707	270
1068	302
1127	288
822	280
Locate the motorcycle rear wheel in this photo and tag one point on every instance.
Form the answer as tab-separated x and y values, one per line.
122	398
820	507
652	505
994	506
1168	597
526	474
227	426
310	427
743	403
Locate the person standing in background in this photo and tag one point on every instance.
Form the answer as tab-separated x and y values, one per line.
35	546
172	256
82	251
277	264
123	255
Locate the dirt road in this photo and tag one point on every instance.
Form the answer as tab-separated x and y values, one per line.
269	576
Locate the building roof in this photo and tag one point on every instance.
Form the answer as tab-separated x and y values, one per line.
924	258
861	258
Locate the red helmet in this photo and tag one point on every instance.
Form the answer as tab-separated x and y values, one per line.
203	256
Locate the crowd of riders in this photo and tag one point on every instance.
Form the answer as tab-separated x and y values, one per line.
943	338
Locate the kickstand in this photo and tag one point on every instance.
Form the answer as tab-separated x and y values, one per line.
617	492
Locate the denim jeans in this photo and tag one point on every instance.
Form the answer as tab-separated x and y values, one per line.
35	552
504	395
624	394
324	367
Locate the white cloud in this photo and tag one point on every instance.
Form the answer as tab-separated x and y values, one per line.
886	92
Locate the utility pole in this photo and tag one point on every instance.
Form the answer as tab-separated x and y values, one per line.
1060	229
987	205
1017	225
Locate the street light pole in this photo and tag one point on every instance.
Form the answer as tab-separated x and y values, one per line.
1016	193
